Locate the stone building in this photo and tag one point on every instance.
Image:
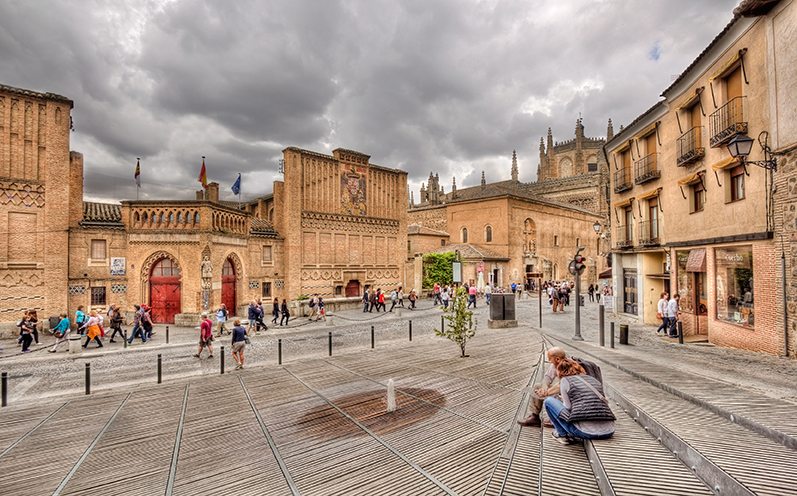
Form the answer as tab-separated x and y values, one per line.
691	218
334	225
504	232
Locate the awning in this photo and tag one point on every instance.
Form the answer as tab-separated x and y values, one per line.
658	276
727	65
696	261
623	203
649	194
692	98
724	164
649	129
691	178
606	274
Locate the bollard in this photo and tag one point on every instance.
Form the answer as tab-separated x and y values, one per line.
624	334
124	335
611	335
279	351
601	324
410	330
680	332
442	323
372	337
4	388
221	362
330	344
88	378
167	334
160	368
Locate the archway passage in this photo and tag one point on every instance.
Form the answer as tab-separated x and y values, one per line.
353	288
164	291
228	286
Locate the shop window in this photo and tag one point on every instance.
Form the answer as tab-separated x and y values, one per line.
685	282
735	289
488	234
697	197
736	183
98	249
267	253
98	297
464	235
266	289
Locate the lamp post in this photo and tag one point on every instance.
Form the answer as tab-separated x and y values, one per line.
741	146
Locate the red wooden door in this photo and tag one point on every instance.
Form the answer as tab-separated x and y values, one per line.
353	288
164	292
228	286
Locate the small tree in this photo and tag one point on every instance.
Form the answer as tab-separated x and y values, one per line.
461	324
439	268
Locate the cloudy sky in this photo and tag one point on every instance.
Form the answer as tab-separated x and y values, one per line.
450	86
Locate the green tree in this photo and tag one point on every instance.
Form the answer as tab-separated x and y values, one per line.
439	268
461	324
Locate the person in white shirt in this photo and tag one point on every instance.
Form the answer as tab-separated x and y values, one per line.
662	309
674	314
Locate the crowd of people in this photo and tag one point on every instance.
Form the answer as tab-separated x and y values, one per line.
375	300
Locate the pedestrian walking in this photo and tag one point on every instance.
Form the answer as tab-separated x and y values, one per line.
146	321
413	297
61	332
444	297
401	297
372	302
320	312
205	335
591	292
116	324
366	301
26	328
380	300
238	343
92	329
80	317
393	300
674	314
221	318
472	296
275	310
137	329
286	314
662	309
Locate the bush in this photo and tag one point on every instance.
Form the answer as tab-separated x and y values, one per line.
461	324
438	268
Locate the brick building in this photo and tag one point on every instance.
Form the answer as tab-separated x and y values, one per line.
690	218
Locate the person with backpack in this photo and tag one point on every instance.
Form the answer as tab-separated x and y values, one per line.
146	321
61	332
320	313
137	329
393	300
221	318
314	307
80	317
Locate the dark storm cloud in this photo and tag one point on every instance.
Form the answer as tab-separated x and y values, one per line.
446	86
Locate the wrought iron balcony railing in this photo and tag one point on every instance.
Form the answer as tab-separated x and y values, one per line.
624	236
622	180
727	121
690	146
647	168
649	232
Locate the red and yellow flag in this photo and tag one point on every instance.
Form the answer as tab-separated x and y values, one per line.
203	176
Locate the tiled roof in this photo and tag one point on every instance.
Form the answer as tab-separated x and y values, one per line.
231	204
262	226
471	252
35	94
102	213
418	229
507	188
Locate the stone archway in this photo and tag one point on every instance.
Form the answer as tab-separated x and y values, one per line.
231	282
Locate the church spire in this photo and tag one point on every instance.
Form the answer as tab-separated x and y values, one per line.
484	182
609	131
550	144
514	166
454	188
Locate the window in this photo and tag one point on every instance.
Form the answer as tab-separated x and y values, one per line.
464	235
737	183
98	296
488	234
166	267
592	167
556	240
698	197
196	218
442	242
735	290
98	249
578	242
266	289
267	253
409	247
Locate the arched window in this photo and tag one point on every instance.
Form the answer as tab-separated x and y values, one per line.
144	217
171	217
488	234
464	235
179	217
165	267
136	218
196	218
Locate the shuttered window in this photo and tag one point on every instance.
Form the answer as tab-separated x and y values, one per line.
98	251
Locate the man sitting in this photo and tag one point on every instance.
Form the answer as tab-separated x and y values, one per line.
549	387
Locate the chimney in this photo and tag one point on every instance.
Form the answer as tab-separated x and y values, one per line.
200	195
213	192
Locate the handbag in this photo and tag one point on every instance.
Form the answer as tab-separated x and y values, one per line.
247	340
658	315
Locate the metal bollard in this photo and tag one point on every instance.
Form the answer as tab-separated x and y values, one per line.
4	387
680	332
442	323
330	343
611	335
221	362
279	351
88	378
372	337
601	324
160	368
410	330
624	334
124	334
167	334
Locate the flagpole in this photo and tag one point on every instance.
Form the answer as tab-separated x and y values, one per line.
239	191
138	181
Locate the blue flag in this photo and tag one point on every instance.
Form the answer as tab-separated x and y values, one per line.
236	188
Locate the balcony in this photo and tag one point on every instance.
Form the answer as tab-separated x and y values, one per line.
690	146
622	180
649	233
647	168
728	121
624	236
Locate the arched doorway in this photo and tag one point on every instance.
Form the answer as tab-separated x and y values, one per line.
164	291
353	288
228	286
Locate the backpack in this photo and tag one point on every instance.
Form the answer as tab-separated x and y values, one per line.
591	368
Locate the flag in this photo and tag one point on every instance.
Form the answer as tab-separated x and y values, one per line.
138	173
203	176
236	188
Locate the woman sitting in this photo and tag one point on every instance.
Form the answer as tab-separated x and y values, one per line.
584	412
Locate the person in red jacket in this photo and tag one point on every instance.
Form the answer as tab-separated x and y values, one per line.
205	335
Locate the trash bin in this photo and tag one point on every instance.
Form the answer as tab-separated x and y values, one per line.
502	311
623	333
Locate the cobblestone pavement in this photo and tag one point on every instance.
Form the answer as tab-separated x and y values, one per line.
42	376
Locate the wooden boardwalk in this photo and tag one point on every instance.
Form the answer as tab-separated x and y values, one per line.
319	427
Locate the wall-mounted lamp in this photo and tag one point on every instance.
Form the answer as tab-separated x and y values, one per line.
597	227
741	146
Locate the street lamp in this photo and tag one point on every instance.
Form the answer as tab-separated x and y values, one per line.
741	146
597	227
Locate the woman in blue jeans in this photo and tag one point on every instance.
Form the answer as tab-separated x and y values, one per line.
584	412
